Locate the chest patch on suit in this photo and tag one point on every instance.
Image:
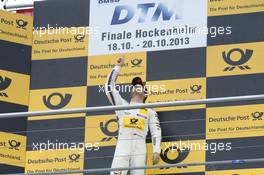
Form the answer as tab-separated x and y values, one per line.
134	122
143	113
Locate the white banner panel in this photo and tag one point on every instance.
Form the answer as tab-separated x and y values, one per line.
146	25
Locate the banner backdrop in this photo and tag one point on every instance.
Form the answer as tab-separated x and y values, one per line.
15	50
133	26
69	69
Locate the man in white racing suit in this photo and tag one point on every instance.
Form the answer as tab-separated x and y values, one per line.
133	126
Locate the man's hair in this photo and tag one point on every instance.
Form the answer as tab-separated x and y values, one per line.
138	81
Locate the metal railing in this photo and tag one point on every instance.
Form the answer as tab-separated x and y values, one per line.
18	4
137	106
134	106
99	170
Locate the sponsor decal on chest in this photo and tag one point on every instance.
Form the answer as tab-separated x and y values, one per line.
136	121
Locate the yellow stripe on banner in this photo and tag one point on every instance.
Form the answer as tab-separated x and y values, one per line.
180	89
15	87
48	161
176	108
101	129
100	66
227	7
58	98
235	121
12	149
179	152
16	27
235	59
60	43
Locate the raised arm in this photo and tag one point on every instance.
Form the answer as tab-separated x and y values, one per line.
110	89
155	130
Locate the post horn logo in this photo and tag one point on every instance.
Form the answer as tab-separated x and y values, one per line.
133	121
4	84
14	144
196	89
79	38
106	130
257	115
21	23
136	62
182	154
64	100
74	158
244	58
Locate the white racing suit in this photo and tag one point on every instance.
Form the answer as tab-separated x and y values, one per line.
133	127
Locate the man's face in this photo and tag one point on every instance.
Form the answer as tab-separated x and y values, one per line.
138	91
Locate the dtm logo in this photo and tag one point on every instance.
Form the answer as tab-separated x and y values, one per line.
196	89
182	155
4	84
74	158
79	38
136	62
257	115
21	23
108	131
142	10
13	144
64	100
244	57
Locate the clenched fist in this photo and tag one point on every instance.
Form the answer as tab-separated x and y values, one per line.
121	61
